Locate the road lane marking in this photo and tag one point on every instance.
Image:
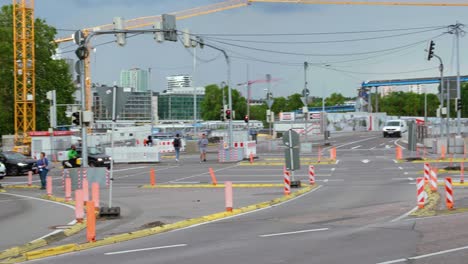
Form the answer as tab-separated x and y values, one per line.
201	174
426	255
400	168
396	143
356	147
333	169
365	161
372	148
143	249
404	215
350	143
337	161
294	232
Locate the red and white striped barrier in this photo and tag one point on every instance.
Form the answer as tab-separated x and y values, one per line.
68	189
287	183
449	193
311	174
421	194
433	180
427	171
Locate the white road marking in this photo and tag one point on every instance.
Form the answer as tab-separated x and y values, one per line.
400	168
387	146
333	169
144	172
365	161
381	144
337	161
405	173
396	161
356	147
396	143
143	249
372	148
405	214
294	232
350	143
425	256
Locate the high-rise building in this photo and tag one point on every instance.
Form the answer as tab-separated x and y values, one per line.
136	79
386	90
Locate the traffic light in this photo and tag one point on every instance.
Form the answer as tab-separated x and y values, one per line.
228	114
119	25
246	118
430	52
459	104
76	118
222	117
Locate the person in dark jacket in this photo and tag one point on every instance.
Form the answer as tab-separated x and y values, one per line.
42	165
177	145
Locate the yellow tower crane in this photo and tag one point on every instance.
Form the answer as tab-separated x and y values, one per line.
148	21
24	73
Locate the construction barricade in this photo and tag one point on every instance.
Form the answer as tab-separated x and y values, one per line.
421	193
135	154
449	201
226	154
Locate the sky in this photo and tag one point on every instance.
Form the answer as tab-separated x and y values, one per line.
343	44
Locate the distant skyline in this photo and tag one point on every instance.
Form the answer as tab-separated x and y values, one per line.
345	45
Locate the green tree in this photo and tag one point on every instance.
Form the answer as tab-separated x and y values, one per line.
279	105
213	103
335	99
50	74
294	102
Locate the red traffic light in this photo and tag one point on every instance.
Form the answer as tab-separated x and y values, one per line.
228	114
246	118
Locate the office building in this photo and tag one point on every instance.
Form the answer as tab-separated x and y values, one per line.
136	79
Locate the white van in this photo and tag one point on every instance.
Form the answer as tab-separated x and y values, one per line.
394	128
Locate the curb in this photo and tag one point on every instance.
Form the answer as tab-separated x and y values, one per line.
446	160
54	251
21	187
19	253
235	185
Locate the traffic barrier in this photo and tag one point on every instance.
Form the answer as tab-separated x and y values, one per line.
442	152
152	177
68	189
49	185
251	158
462	172
29	178
421	194
228	196
333	153
464	151
427	171
287	183
311	174
95	194
424	152
433	180
79	210
213	176
449	193
85	190
90	222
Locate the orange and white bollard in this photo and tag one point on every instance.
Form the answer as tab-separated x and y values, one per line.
228	196
251	158
95	194
442	152
79	210
433	181
333	153
49	186
451	159
90	222
213	176
464	152
427	173
287	183
29	178
311	174
152	177
462	172
421	194
398	153
68	189
85	190
449	193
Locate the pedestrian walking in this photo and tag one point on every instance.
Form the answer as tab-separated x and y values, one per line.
177	145
42	165
202	145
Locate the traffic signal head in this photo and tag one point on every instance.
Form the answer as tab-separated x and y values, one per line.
228	114
76	118
246	118
459	104
430	51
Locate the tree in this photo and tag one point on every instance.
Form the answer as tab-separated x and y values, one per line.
294	102
279	105
213	103
50	74
335	99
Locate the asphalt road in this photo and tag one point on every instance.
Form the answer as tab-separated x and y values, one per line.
357	215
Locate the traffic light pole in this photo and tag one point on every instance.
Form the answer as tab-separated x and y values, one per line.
84	128
441	69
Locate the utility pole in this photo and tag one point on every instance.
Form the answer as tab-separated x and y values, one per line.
194	91
268	78
248	101
457	30
305	94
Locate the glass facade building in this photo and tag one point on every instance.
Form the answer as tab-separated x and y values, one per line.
173	106
137	79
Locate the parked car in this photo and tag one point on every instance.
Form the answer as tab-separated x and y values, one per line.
394	128
2	170
96	158
17	163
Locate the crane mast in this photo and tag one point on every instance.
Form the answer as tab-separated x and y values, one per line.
24	70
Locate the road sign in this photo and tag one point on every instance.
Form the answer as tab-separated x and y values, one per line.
291	154
269	102
291	139
106	95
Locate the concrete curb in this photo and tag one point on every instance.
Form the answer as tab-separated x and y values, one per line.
54	251
18	253
21	187
446	160
235	185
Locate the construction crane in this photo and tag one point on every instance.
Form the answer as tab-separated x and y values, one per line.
148	21
24	73
249	86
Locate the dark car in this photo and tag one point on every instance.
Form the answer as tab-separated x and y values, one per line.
16	163
96	158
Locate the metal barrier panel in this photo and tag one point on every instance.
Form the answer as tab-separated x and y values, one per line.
92	174
135	154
